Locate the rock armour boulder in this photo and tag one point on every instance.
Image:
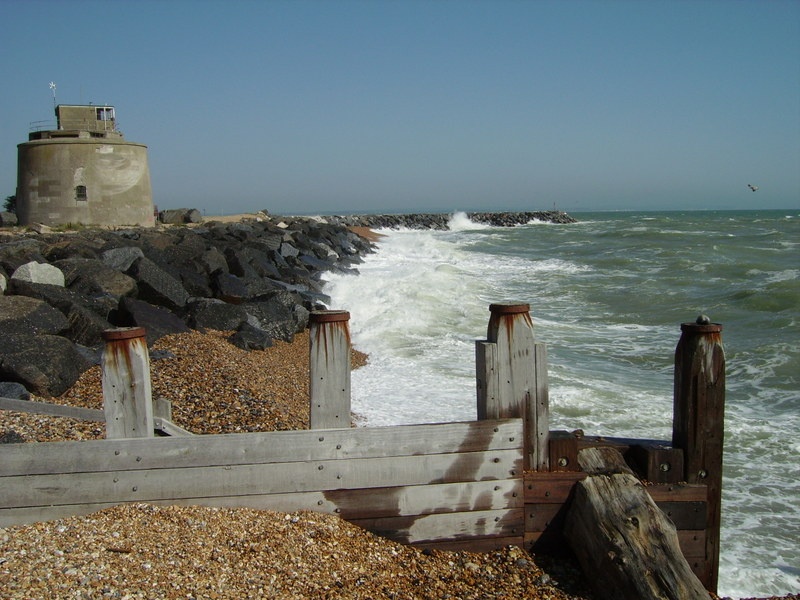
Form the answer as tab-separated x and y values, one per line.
47	365
35	272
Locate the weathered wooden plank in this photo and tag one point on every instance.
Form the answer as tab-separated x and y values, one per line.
254	448
449	526
688	516
538	411
57	410
329	369
556	487
550	487
681	492
360	503
693	545
159	484
169	428
540	517
701	568
162	408
486	378
415	500
552	541
685	515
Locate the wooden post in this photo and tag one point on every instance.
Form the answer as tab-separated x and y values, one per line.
511	373
127	395
329	369
698	422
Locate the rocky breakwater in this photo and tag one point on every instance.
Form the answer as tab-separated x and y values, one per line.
58	291
441	221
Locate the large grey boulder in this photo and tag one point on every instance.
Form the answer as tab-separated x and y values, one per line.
8	219
17	252
212	261
229	288
253	269
317	264
211	313
251	337
184	246
288	249
35	272
14	390
29	316
156	286
177	216
72	246
264	263
121	259
156	320
87	316
281	315
274	318
47	365
93	277
268	240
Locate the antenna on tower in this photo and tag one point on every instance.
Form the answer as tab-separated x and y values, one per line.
53	88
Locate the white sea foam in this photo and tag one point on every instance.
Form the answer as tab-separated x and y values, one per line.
609	314
786	275
459	221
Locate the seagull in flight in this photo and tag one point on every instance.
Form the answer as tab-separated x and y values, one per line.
752	187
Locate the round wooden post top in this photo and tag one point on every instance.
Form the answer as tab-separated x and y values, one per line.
701	325
509	308
329	316
123	333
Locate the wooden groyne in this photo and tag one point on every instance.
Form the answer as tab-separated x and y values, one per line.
504	478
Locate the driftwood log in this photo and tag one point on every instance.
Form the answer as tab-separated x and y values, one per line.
625	544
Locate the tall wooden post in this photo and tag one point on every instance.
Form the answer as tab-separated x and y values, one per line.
329	369
511	371
698	422
127	395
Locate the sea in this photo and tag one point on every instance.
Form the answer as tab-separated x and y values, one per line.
607	296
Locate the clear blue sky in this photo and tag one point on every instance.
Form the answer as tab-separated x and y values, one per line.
396	106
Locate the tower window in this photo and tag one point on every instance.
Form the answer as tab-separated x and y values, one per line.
105	113
80	192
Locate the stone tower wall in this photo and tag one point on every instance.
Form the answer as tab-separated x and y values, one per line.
89	181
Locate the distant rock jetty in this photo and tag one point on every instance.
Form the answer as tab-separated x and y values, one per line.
440	221
258	278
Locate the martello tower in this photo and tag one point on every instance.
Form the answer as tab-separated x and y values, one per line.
83	172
